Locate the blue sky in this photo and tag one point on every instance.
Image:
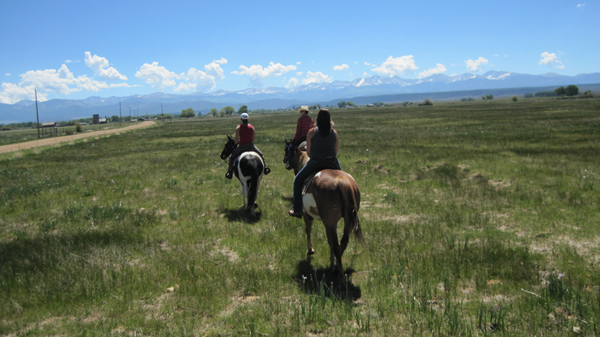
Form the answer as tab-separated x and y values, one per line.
77	49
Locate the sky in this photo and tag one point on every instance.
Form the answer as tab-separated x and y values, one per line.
76	49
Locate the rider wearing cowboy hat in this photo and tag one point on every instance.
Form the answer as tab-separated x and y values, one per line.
244	139
304	124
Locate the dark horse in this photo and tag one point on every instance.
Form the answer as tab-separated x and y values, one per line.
329	196
249	170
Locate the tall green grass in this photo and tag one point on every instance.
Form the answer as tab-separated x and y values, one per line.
480	218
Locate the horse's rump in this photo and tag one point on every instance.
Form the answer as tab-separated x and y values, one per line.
334	194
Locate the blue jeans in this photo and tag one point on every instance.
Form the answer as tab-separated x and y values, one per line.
311	167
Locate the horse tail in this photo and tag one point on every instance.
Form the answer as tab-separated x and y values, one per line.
351	199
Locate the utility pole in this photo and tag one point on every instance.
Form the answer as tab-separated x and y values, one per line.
37	114
129	114
162	114
120	116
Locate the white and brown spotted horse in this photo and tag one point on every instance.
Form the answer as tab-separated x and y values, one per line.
329	196
248	169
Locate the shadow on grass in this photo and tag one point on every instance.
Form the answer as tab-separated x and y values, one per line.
288	199
325	282
44	252
240	214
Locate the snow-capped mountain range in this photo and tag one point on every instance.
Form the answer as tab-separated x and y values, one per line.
277	97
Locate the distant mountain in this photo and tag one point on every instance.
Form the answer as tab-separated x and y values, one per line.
275	97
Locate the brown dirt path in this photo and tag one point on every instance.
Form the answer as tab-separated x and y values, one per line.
55	140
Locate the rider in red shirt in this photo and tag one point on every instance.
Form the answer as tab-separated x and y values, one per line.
244	138
304	124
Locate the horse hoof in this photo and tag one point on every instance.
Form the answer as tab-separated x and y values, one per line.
310	252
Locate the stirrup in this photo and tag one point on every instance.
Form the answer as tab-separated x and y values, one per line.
266	170
295	214
229	175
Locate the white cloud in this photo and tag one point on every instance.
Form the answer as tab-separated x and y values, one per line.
439	69
365	74
355	62
397	66
157	76
292	83
257	73
368	64
342	67
580	5
496	55
60	81
12	93
98	64
299	73
551	59
475	65
68	61
298	62
214	69
7	74
317	77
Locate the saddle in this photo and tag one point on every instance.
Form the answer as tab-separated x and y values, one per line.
302	146
307	182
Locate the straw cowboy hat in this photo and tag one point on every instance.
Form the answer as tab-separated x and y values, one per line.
304	108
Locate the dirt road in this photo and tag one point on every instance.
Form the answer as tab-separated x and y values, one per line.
55	140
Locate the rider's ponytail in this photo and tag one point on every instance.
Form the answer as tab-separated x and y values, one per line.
324	122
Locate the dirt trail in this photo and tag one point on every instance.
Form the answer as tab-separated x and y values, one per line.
55	140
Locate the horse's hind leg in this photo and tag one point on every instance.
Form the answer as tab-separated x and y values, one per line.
334	249
346	236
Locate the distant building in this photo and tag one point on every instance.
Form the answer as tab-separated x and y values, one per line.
96	119
49	125
102	121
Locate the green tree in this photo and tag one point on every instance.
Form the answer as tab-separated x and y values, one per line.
427	101
342	104
243	109
560	91
528	95
187	113
514	98
214	112
227	111
114	118
489	97
588	93
572	90
483	97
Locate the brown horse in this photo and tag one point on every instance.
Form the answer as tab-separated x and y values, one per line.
329	196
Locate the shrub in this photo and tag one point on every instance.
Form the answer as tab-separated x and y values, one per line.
427	101
528	95
514	98
545	94
78	127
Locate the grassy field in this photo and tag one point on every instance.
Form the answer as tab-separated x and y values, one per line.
24	135
480	218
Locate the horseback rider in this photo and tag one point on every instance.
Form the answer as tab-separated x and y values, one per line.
304	124
244	139
321	148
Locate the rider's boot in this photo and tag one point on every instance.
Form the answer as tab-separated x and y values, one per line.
294	213
266	170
